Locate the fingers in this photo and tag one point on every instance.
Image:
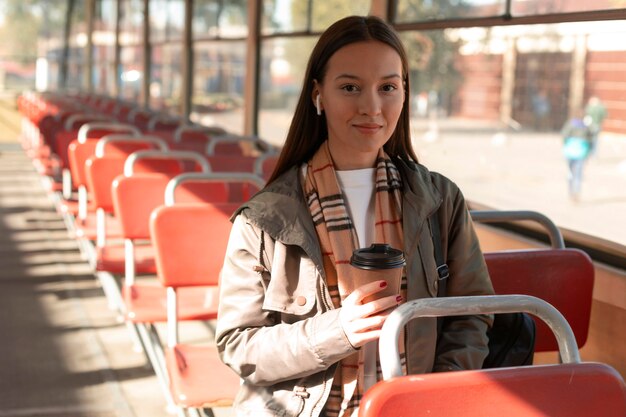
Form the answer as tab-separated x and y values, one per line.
373	307
360	332
362	322
357	296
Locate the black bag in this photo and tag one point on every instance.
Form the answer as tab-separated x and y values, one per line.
511	341
512	336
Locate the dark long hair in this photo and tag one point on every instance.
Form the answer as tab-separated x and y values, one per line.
308	130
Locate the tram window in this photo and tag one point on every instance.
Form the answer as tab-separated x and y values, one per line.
326	12
166	77
103	73
77	41
158	20
175	20
419	10
214	18
75	65
219	74
234	19
488	105
131	72
205	18
283	62
538	7
280	16
293	15
50	32
131	22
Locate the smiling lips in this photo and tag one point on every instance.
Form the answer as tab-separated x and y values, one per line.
368	128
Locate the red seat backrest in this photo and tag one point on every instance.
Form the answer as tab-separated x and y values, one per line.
100	175
565	390
184	255
562	277
202	192
61	143
78	155
134	198
231	163
123	149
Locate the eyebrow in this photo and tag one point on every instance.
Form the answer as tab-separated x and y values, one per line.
354	77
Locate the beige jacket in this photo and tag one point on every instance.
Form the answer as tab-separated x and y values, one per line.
276	326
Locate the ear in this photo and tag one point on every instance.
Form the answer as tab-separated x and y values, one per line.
315	92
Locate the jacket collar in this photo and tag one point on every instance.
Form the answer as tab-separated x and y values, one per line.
420	195
280	208
420	198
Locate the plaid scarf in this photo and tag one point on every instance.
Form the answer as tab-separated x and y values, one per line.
338	240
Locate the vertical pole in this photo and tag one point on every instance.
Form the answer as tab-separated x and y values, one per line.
117	89
577	76
63	65
392	8
253	68
88	65
187	85
381	8
147	56
508	82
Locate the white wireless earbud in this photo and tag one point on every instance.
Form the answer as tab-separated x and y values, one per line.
317	105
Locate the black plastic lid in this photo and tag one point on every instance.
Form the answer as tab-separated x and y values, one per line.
377	256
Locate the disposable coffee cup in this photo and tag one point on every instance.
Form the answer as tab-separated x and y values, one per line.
380	262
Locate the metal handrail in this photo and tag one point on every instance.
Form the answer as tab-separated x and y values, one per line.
112	126
188	155
494	216
170	189
162	118
87	117
101	145
229	138
212	130
459	306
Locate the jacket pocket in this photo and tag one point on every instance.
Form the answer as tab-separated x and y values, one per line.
292	284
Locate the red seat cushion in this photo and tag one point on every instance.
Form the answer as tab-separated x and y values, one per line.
112	259
198	378
146	303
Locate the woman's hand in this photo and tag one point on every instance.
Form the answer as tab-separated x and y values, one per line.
361	322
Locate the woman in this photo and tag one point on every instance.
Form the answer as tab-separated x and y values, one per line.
577	146
293	322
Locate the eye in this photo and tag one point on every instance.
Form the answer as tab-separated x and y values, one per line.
350	88
389	88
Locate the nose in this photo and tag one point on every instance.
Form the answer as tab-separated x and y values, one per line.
369	103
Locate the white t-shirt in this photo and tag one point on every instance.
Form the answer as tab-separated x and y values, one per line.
358	187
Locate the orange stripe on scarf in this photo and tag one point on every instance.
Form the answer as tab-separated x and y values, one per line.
338	240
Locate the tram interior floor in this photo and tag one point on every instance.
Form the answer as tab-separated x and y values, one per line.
63	351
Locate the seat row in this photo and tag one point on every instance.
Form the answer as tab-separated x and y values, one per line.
153	221
149	201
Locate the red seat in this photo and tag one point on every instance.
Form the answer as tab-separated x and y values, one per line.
231	163
134	198
565	390
265	164
562	277
103	167
197	376
146	303
569	389
213	187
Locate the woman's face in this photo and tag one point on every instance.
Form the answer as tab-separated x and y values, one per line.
361	96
